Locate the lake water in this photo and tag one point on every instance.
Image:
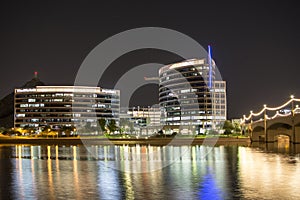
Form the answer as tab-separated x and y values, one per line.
150	172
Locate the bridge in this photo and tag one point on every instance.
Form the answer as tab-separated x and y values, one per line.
285	121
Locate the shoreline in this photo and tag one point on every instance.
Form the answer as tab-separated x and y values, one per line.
124	141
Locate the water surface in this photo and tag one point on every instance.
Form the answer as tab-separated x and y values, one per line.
103	172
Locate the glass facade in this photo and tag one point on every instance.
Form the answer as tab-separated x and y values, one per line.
59	106
186	99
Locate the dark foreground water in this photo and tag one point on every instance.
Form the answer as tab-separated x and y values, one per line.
150	172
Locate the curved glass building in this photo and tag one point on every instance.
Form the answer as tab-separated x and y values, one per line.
189	96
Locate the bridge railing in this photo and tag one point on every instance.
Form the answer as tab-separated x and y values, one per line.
263	111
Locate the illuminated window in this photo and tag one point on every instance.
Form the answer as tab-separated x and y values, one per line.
185	91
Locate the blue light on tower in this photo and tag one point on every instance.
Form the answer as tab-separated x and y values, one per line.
210	68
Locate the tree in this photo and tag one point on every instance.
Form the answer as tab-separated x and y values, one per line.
126	125
228	127
112	127
237	127
102	123
67	130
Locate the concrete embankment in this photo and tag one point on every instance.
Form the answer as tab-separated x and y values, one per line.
121	141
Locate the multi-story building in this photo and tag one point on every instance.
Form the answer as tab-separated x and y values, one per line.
143	119
191	97
59	106
151	115
220	105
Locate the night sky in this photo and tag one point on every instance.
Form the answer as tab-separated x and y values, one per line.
256	45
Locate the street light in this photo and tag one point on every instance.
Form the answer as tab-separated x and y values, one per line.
265	122
293	121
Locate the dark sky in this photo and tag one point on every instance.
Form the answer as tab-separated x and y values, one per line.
256	45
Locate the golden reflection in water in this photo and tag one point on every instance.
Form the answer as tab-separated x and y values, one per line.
57	165
128	186
263	175
56	152
74	153
20	168
49	152
50	177
75	174
32	161
56	158
283	143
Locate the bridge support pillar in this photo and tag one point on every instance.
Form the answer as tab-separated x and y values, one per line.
296	139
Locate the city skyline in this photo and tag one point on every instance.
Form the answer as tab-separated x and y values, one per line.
254	45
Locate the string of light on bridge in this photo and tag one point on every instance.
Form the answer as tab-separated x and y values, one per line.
266	108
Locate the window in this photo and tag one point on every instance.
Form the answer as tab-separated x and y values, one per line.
185	91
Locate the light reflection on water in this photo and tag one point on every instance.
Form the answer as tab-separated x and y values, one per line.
70	172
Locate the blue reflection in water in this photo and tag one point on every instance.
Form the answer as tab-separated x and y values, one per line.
209	188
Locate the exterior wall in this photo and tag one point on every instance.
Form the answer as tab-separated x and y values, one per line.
185	98
59	106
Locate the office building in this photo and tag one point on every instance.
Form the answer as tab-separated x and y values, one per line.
140	120
190	97
59	106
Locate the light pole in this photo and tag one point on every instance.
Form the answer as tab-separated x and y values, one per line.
265	122
251	121
293	116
